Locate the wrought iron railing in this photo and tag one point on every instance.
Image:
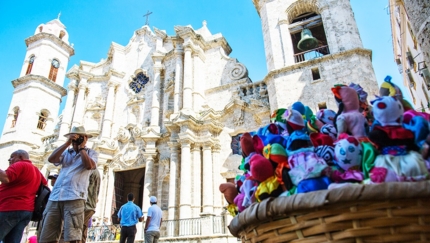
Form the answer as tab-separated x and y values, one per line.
311	54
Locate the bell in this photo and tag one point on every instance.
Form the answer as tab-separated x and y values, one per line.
307	42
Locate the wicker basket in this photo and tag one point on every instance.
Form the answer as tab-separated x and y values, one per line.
388	212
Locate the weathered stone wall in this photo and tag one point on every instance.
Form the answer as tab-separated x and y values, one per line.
419	15
296	83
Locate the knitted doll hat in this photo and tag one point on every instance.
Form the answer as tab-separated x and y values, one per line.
298	106
326	116
348	96
246	144
229	190
388	111
294	119
261	168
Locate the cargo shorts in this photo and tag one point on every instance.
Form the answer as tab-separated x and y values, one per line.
63	215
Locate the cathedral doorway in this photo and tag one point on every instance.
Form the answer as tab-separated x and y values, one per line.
130	181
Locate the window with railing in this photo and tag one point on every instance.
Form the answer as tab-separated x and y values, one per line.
30	64
308	37
41	123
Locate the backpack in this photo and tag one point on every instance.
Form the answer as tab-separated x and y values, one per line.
40	202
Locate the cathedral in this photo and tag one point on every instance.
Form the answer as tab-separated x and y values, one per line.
166	112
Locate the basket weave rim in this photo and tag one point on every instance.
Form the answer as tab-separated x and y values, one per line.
272	207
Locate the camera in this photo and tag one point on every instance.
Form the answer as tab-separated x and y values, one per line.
79	140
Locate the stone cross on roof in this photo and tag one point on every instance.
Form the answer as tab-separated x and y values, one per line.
147	17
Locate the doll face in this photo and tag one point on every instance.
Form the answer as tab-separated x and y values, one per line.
325	152
329	130
348	153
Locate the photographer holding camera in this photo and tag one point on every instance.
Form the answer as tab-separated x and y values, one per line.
67	200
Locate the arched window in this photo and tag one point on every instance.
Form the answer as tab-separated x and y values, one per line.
15	116
30	64
138	82
43	117
62	34
55	64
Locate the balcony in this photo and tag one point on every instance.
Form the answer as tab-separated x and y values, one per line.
311	54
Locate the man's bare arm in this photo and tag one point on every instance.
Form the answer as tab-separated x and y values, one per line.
3	177
55	156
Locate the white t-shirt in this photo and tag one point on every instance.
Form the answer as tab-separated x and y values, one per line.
155	213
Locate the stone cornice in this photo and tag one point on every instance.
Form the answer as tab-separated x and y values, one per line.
313	62
160	33
31	77
228	86
53	38
9	143
187	32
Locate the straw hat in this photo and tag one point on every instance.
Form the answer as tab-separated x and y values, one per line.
80	131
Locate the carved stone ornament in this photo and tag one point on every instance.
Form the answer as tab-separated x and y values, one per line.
98	103
123	135
130	156
239	71
164	168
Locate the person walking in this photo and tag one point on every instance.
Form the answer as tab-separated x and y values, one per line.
129	214
66	205
18	188
153	222
92	199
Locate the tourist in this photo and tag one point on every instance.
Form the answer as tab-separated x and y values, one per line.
66	203
18	188
92	199
153	222
129	214
53	179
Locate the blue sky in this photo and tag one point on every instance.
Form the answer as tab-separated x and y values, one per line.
92	27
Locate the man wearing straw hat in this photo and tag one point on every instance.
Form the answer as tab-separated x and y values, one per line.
67	200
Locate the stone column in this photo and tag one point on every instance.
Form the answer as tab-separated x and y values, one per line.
178	80
110	101
216	165
68	111
185	186
102	192
197	180
207	180
155	107
109	192
174	169
287	43
147	186
80	103
188	79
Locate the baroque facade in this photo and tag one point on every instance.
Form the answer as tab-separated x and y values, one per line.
166	111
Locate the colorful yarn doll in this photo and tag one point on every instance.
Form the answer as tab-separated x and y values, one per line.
305	165
388	88
398	159
349	119
365	108
348	157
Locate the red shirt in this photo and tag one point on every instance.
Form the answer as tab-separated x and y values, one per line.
20	192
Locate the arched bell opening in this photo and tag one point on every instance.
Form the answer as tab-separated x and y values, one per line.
308	37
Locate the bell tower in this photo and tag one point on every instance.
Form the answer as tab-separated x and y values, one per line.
38	90
310	46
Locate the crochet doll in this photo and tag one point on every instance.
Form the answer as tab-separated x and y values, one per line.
348	119
398	159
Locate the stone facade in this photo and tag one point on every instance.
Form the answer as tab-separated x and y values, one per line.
419	15
409	51
165	110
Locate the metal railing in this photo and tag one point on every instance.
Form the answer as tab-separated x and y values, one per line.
311	54
193	227
103	233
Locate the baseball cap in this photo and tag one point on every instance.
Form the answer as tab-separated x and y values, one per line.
153	199
54	176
